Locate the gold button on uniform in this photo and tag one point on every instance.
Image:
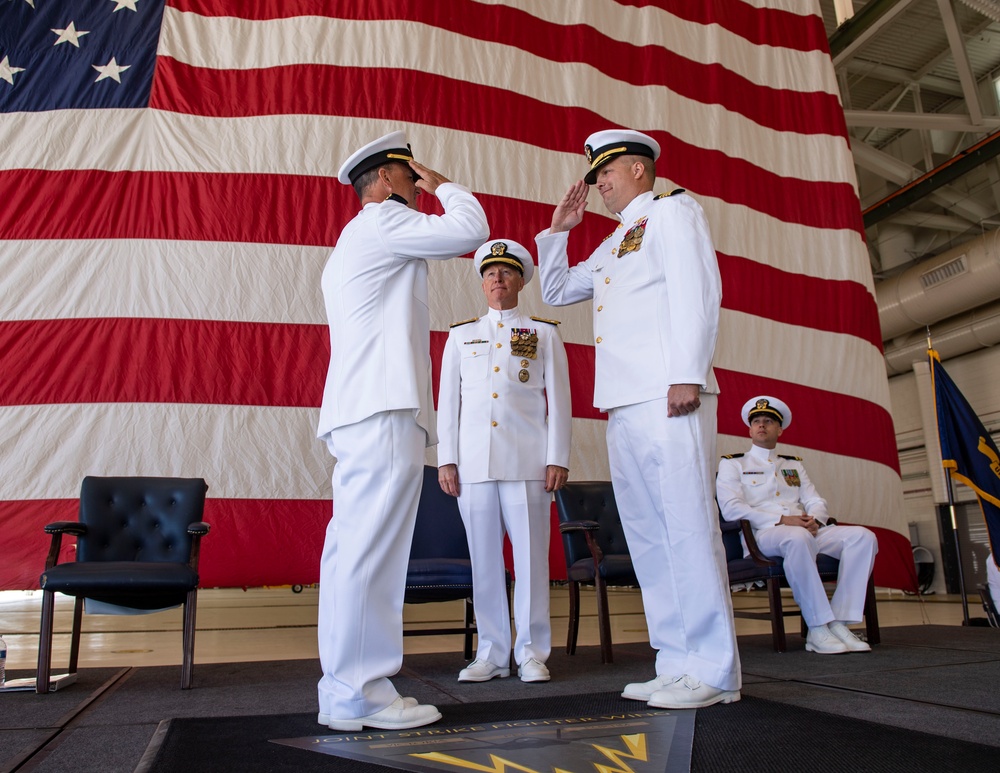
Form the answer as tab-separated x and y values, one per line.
494	424
599	339
599	308
494	395
496	368
607	280
499	346
499	324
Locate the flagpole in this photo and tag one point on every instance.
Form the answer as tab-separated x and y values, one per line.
958	551
954	522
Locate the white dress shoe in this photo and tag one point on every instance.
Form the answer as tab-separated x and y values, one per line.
324	719
642	691
533	671
481	671
688	693
846	635
822	641
396	716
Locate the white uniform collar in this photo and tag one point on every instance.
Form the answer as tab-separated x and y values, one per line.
763	454
499	316
634	206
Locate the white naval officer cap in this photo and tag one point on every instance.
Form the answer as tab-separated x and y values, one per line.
765	405
505	251
601	147
391	147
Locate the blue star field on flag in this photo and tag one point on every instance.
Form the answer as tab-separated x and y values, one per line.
57	55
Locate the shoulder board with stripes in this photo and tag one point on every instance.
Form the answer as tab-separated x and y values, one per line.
674	192
549	321
731	456
790	458
464	322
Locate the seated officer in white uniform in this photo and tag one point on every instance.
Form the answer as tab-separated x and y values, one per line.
504	423
789	518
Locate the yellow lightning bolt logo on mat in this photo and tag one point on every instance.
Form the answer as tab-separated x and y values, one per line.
636	751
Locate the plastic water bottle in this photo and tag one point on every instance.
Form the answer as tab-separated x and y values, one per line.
3	661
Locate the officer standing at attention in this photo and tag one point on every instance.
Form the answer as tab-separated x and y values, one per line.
504	418
376	419
656	291
789	519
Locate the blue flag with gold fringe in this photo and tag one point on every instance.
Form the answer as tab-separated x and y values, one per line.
967	451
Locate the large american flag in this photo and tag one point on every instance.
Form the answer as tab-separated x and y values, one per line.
168	200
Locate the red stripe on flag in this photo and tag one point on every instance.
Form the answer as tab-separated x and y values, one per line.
316	89
827	421
762	26
300	209
796	299
781	109
232	554
164	361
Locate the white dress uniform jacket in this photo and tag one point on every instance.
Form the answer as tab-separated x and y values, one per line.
375	287
761	486
656	294
376	419
655	321
493	422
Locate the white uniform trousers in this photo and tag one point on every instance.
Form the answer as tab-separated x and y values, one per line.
376	489
521	508
662	473
854	546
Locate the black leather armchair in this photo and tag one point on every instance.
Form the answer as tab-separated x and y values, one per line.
596	552
770	571
137	546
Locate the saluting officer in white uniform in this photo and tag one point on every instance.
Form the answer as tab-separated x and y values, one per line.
789	519
656	292
504	419
376	419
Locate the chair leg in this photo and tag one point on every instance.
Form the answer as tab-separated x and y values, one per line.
574	617
468	628
74	643
190	613
603	619
45	643
871	615
777	614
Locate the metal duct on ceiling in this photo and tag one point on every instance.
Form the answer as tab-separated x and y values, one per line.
954	337
966	277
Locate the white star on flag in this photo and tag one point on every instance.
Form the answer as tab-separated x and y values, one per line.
7	72
130	4
70	35
111	70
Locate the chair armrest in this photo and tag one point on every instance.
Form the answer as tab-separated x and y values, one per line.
752	547
588	528
197	530
66	527
565	528
57	529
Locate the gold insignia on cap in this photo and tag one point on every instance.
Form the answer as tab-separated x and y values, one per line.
761	405
589	153
498	249
605	155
